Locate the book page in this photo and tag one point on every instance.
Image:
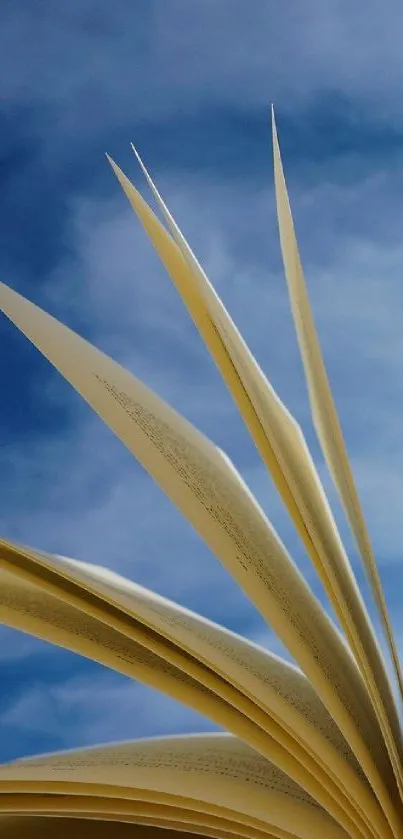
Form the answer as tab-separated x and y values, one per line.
124	802
39	827
137	812
26	607
330	435
267	678
25	827
277	435
294	459
201	299
277	687
209	492
213	768
285	453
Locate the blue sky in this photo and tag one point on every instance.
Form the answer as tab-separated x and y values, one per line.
190	84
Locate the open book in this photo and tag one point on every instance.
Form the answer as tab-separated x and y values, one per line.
309	750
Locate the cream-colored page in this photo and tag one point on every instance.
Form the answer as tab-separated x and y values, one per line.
284	448
86	799
21	605
251	723
137	812
330	435
25	607
23	827
39	827
216	769
287	441
137	806
108	801
277	687
198	478
295	463
278	437
201	300
167	827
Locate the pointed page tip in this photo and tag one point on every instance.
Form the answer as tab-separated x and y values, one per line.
330	435
117	170
140	162
274	128
122	178
110	160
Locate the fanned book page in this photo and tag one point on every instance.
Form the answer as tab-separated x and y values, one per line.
88	826
282	446
215	770
311	749
278	437
288	708
102	824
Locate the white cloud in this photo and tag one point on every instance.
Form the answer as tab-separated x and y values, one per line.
103	708
14	646
94	67
77	492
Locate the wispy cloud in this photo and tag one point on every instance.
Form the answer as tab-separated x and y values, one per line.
90	65
81	709
191	85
